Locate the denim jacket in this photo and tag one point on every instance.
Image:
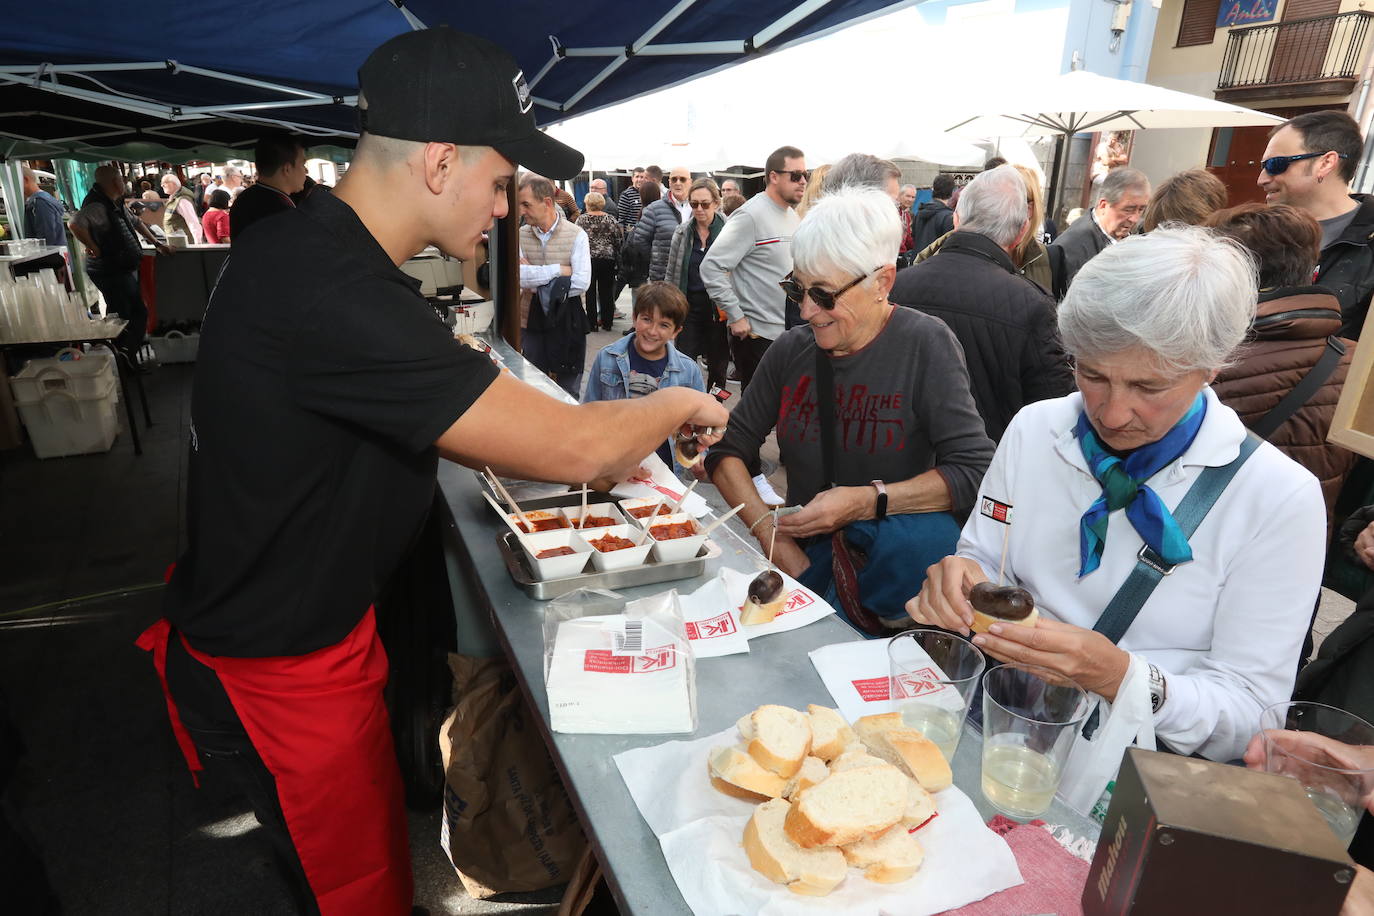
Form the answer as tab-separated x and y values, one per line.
609	379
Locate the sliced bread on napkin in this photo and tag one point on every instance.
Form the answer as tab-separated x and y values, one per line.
847	806
906	748
830	733
779	738
888	857
814	872
736	773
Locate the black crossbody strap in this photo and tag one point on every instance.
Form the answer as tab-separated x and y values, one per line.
825	404
1150	568
1302	392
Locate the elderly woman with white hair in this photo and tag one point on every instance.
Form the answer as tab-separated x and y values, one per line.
874	419
1093	501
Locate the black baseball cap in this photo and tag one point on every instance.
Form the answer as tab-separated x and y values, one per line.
444	86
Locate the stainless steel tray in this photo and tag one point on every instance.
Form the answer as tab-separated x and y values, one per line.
519	568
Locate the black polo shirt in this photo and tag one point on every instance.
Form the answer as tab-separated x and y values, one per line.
322	383
255	204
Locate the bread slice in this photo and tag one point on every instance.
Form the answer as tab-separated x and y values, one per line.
919	807
814	872
886	737
781	739
812	771
848	806
734	766
751	613
982	621
888	857
855	757
830	733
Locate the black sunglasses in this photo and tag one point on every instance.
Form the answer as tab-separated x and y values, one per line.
1277	165
794	174
795	292
701	204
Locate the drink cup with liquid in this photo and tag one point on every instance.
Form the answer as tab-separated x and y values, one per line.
1031	717
933	677
1313	743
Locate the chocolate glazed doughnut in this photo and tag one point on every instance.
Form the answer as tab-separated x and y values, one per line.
1008	604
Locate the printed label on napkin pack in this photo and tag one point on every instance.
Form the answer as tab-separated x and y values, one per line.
607	662
714	628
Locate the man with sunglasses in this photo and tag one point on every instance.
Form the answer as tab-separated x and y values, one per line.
751	256
660	220
1309	163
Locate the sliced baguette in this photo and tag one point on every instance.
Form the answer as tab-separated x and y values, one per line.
982	621
919	807
781	739
734	766
855	757
814	872
847	806
812	771
886	737
830	733
752	614
888	857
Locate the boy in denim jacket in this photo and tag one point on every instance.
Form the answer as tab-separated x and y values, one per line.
645	361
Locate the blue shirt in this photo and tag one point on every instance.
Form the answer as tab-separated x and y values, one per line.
613	373
43	214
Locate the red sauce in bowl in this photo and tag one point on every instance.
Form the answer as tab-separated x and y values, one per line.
542	524
610	542
597	521
672	531
642	511
554	552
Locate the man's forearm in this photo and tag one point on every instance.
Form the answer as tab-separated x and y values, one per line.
731	478
82	235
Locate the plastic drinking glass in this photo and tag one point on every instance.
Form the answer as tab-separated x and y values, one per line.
934	676
1312	743
1031	717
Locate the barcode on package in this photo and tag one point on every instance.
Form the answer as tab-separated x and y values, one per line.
630	640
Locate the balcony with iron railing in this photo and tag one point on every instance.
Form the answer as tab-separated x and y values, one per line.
1322	56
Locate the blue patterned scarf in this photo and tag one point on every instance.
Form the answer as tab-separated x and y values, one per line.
1123	487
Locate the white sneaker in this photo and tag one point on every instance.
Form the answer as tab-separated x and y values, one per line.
769	496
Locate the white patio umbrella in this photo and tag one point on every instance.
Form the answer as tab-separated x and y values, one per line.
1080	101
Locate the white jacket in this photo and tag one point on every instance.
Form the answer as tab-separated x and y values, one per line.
1226	628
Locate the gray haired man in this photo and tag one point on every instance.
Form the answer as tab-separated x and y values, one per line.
1004	321
1120	206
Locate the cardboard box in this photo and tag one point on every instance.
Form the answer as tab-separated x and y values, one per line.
1352	425
1184	835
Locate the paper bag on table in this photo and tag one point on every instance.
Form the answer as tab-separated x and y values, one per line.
508	824
1093	762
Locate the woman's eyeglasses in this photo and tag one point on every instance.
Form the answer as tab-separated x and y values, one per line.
794	174
702	204
1277	165
824	298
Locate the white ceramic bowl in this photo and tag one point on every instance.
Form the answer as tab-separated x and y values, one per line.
676	550
556	567
619	559
535	515
600	510
638	503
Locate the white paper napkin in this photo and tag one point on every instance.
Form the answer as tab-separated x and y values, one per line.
594	689
803	605
661	482
712	621
857	674
701	830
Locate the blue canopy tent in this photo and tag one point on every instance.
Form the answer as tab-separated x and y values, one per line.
81	79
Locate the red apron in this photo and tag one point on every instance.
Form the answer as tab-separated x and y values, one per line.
321	728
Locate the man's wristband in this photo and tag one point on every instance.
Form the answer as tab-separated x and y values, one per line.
759	519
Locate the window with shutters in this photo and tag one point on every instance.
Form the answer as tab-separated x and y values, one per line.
1199	25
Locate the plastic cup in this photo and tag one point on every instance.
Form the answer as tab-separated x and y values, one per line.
1031	717
934	676
1309	742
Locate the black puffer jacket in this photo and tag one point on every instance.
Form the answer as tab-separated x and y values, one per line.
1346	268
931	220
1004	322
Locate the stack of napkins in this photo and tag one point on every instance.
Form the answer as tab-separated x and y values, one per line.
598	685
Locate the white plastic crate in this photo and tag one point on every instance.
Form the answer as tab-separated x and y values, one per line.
85	376
175	347
60	423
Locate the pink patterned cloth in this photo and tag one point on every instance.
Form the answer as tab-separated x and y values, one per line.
1054	876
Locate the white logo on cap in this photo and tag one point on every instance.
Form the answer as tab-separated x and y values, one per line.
522	92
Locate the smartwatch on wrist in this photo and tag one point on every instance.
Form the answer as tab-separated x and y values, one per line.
880	511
